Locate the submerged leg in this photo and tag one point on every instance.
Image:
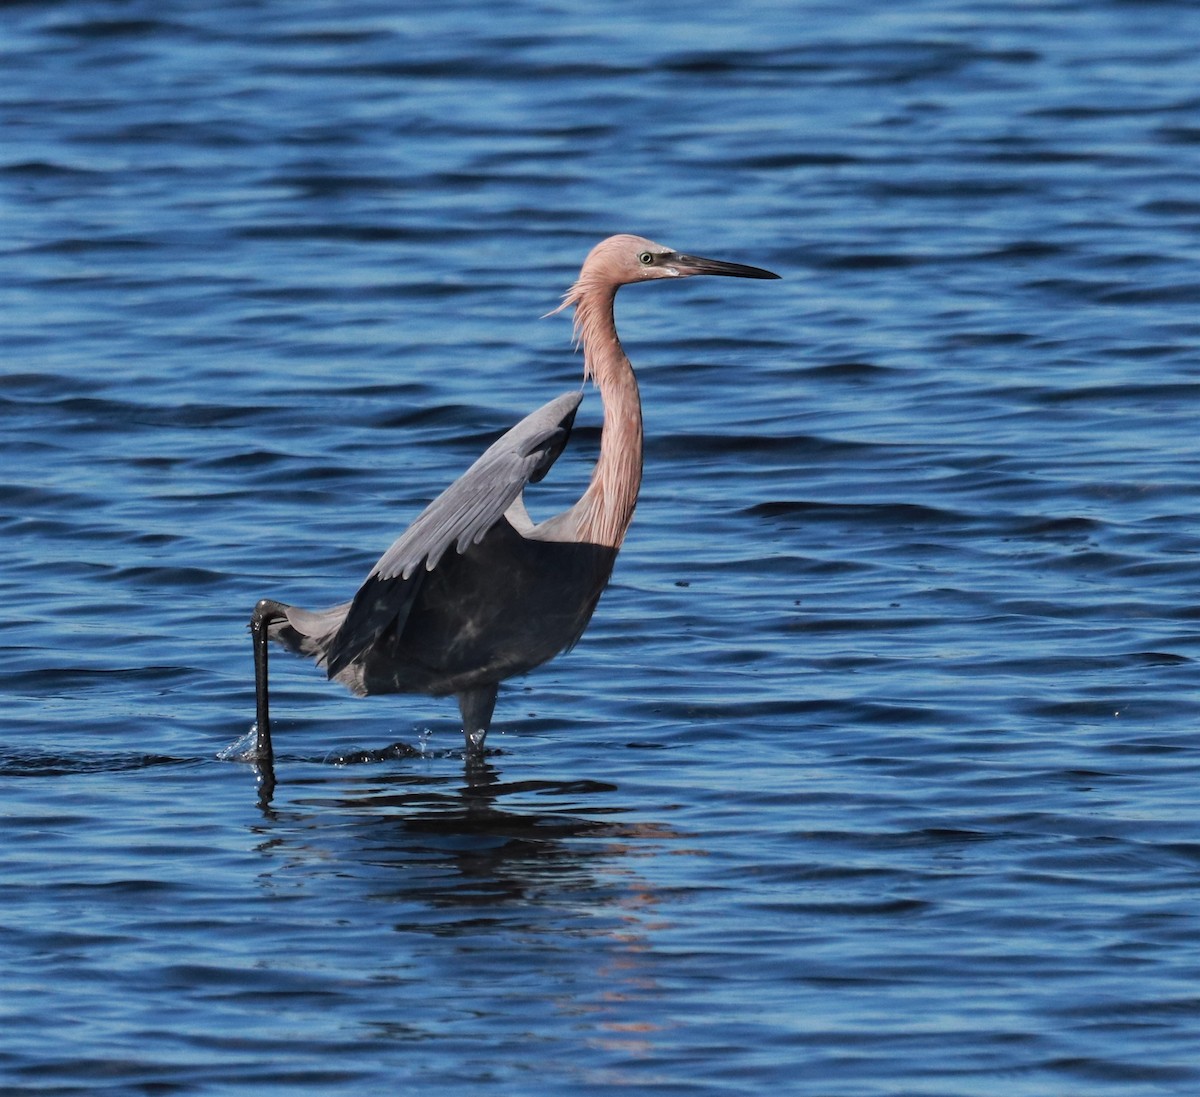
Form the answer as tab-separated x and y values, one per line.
260	620
476	706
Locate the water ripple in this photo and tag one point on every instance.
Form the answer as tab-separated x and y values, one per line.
877	766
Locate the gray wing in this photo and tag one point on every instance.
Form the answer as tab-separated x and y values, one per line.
469	507
459	517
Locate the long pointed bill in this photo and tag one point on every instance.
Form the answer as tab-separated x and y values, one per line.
694	264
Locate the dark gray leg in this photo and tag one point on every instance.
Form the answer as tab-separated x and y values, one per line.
476	706
260	621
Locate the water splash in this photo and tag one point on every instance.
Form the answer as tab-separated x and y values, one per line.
380	754
242	749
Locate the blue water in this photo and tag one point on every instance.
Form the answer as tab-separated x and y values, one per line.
876	772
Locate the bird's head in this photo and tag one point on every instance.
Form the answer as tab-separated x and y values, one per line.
624	260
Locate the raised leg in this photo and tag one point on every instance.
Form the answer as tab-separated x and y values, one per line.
260	621
476	706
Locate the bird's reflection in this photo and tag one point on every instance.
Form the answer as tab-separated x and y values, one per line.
487	880
438	798
470	824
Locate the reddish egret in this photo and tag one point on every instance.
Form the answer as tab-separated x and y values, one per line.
474	592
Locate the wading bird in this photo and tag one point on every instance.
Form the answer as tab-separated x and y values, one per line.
474	592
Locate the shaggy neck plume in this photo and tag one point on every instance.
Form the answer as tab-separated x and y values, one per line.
606	508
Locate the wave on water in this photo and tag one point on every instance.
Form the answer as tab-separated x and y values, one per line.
37	763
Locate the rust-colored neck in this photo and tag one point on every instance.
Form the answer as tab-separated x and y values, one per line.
606	508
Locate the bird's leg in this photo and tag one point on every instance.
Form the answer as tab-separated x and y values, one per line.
476	706
260	620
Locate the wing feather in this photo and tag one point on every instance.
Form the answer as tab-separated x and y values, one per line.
459	517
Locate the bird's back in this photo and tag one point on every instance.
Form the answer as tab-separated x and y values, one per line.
500	608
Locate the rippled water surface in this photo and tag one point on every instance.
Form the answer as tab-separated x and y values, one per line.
877	771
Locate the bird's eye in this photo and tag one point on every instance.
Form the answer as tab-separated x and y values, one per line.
646	258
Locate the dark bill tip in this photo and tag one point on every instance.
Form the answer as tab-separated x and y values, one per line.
695	264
